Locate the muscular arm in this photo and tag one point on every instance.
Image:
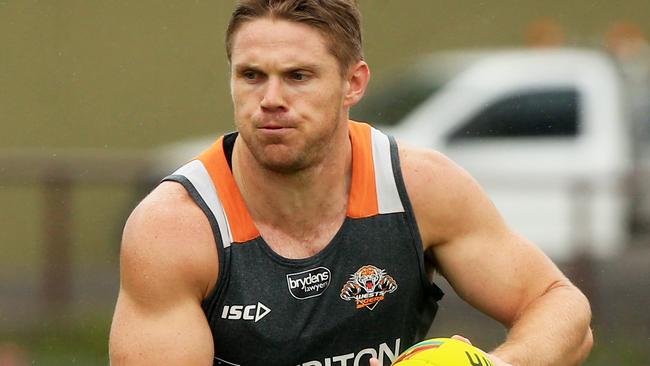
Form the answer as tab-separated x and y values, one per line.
167	265
494	269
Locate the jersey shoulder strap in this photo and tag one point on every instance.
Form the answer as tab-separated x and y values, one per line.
374	187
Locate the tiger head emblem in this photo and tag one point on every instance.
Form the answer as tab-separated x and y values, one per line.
369	282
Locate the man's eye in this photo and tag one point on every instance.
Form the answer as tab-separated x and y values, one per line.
249	75
298	76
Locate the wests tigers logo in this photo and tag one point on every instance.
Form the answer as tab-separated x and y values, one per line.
368	286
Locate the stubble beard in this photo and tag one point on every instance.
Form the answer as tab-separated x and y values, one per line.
294	158
278	160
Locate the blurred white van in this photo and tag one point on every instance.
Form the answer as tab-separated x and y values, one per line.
545	132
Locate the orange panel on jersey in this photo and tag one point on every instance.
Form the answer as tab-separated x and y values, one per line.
241	224
363	191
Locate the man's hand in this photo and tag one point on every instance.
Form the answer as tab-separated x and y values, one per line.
495	359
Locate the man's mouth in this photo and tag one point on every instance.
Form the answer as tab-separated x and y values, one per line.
272	127
275	127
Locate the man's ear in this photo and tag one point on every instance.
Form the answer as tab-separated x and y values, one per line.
357	82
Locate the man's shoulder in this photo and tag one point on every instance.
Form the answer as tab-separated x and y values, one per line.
167	207
445	198
167	234
168	193
430	169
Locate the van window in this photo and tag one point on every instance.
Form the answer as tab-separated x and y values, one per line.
547	113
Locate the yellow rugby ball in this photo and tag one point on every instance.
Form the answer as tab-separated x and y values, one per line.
442	352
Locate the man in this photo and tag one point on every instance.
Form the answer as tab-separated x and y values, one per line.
300	239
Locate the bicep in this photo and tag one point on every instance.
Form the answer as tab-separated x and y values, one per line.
177	334
497	271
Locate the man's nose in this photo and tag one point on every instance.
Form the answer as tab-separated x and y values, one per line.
273	98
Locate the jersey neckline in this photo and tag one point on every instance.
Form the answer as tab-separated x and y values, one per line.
362	197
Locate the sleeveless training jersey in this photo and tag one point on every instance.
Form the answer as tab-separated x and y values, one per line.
366	294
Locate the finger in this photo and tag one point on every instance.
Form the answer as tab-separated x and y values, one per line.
461	338
374	362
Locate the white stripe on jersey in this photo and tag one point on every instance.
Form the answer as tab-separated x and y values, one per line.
388	199
196	173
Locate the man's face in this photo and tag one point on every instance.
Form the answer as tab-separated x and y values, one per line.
288	93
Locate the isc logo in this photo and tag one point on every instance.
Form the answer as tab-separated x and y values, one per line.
245	312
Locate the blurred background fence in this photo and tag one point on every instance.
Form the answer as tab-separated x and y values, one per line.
56	178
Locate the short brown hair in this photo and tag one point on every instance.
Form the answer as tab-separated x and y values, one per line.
339	21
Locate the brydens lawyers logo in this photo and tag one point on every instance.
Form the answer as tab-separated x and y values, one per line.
310	283
368	286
